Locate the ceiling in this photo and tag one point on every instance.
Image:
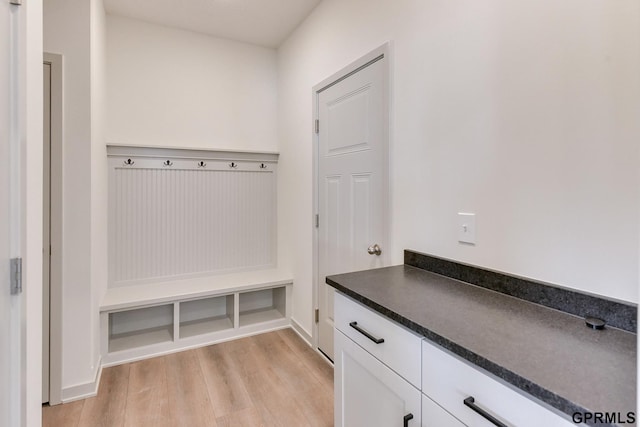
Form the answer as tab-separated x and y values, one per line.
261	22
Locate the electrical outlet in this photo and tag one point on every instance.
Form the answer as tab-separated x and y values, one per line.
467	228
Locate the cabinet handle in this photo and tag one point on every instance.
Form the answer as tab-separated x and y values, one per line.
406	419
470	402
355	326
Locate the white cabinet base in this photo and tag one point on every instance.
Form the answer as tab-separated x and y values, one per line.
374	364
368	393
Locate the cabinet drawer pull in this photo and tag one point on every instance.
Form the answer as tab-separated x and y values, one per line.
406	419
355	326
470	402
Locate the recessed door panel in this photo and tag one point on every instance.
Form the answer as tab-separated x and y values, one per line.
362	205
334	237
348	125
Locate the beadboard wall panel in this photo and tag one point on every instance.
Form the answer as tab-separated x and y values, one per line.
176	216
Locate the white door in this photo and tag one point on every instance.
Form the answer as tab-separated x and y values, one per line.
368	393
9	304
352	182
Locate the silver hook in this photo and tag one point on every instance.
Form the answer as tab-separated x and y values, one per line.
128	162
202	164
168	163
233	165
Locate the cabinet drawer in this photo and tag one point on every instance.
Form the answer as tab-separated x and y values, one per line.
435	416
401	348
448	381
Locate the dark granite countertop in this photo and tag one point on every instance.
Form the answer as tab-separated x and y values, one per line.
547	353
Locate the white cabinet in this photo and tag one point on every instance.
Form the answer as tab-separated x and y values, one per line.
368	393
434	416
392	344
376	366
377	369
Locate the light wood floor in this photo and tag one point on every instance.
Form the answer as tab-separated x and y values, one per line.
273	379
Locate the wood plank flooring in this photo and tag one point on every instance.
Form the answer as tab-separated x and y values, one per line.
273	379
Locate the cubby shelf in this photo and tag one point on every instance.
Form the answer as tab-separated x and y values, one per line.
207	315
262	306
140	338
137	328
205	326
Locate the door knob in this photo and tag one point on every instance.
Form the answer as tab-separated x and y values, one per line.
374	250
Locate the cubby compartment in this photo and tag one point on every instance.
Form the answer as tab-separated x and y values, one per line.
262	306
207	315
140	327
160	318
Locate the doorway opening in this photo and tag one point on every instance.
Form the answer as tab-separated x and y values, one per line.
52	231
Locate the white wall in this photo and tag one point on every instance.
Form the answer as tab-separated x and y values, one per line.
522	112
68	31
169	87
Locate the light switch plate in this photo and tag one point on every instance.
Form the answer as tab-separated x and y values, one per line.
467	228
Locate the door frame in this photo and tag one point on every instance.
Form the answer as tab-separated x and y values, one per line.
55	272
384	50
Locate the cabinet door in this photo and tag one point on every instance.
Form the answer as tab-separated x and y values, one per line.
368	393
435	416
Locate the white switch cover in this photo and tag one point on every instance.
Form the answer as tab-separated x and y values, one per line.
467	228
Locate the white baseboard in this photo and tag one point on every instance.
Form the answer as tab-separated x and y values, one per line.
82	391
304	334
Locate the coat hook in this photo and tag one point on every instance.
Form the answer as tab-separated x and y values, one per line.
202	164
233	165
129	162
263	166
168	163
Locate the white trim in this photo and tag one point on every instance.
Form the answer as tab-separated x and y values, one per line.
144	151
83	391
385	50
15	332
302	332
351	68
306	337
55	277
